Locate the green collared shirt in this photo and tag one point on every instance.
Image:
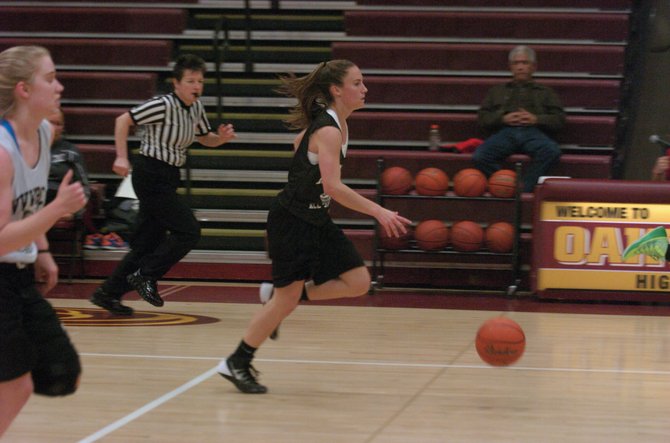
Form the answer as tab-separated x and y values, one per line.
512	96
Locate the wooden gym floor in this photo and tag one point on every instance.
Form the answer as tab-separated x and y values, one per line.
395	367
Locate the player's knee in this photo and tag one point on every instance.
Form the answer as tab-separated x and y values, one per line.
361	284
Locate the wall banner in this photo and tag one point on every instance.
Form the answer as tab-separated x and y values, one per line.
581	244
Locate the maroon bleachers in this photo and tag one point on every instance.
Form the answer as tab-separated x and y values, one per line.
89	120
108	85
591	59
100	51
80	19
482	24
579	130
602	4
362	163
99	158
598	93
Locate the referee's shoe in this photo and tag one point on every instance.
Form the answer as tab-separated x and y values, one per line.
146	287
112	304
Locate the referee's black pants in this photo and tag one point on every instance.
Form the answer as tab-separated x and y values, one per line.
166	228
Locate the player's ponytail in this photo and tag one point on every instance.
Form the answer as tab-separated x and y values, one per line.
312	91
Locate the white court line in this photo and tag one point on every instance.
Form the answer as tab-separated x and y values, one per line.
396	364
148	407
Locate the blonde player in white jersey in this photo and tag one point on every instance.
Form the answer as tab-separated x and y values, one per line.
36	354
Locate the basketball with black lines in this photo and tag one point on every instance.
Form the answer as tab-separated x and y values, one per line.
396	180
431	181
500	341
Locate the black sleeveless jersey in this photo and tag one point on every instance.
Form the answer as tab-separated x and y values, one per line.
303	195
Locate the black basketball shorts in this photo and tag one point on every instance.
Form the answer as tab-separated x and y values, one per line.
303	251
32	338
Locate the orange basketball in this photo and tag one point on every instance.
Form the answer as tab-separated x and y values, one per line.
502	183
500	341
401	242
500	237
467	236
469	182
431	235
431	181
396	180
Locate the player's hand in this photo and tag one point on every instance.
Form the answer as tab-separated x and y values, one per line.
394	224
71	196
121	166
46	273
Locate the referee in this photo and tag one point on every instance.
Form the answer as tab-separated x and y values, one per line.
166	229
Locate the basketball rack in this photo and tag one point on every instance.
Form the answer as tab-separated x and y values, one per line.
380	253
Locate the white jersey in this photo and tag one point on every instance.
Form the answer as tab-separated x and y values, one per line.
29	185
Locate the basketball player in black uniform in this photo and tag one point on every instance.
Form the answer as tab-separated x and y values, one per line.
312	259
166	229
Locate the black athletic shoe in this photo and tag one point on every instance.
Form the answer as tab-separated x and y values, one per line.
242	375
113	305
146	287
265	292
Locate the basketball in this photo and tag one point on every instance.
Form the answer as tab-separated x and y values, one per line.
500	341
431	235
467	236
396	180
431	181
499	237
502	183
402	242
469	182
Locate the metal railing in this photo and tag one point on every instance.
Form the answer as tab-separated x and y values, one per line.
220	49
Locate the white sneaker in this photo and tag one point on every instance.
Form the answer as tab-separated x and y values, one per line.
265	292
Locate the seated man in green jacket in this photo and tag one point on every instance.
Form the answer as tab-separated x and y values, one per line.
520	116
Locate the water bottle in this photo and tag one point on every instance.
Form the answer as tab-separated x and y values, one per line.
434	141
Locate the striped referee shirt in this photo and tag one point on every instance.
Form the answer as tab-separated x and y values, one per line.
170	127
